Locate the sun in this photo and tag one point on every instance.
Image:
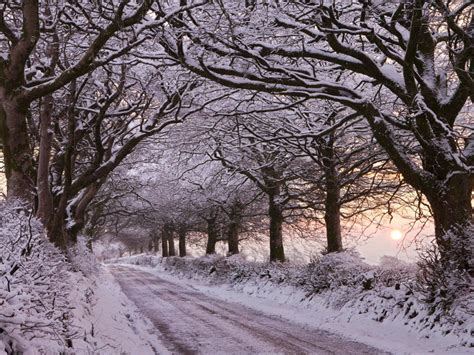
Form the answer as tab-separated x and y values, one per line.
395	234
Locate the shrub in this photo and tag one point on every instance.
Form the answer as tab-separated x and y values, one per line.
440	284
334	270
33	281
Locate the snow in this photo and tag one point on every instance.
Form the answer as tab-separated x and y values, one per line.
339	293
403	32
194	322
390	71
49	305
112	323
103	320
383	317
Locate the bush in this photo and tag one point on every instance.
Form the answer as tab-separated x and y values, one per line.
82	259
441	285
33	281
334	270
393	272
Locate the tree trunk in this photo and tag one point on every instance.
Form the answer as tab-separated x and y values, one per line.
156	244
164	244
79	210
154	241
17	152
211	235
16	149
170	237
57	230
45	198
454	225
56	226
275	213
233	238
182	242
332	215
234	228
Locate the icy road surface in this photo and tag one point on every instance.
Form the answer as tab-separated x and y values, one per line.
190	322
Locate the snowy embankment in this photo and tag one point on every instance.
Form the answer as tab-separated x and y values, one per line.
110	323
52	306
96	318
379	305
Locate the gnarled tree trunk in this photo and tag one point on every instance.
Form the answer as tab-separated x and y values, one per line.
454	225
182	241
170	237
164	244
17	152
234	227
275	213
211	234
332	215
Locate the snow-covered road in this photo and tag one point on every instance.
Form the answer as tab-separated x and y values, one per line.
190	322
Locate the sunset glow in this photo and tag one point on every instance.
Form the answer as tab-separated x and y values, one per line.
395	234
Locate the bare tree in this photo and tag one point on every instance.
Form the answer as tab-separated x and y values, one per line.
87	106
391	50
26	78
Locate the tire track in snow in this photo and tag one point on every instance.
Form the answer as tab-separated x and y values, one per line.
191	322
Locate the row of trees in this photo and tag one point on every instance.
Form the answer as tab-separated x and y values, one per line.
230	174
320	109
405	67
76	98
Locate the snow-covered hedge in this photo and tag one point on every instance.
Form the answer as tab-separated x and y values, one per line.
34	304
389	292
50	305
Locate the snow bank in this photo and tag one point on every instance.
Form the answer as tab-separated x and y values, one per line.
349	292
51	306
110	323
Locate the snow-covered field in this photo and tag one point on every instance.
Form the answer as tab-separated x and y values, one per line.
372	305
